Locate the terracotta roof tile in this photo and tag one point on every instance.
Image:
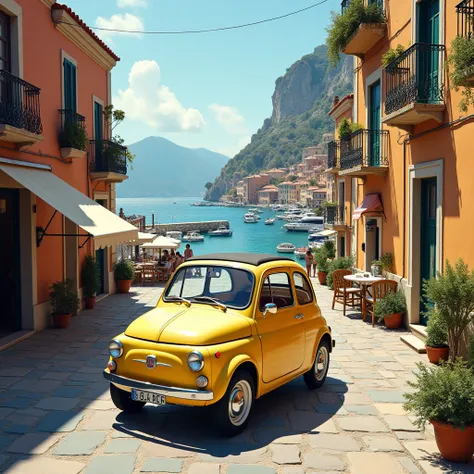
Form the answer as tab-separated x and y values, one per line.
75	16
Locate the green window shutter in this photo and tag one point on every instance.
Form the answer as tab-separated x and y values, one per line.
70	85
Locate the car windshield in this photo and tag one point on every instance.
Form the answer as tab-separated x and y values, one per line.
230	286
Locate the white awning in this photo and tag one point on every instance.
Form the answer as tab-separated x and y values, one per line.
162	243
143	237
106	227
327	233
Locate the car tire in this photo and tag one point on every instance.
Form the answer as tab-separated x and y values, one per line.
232	412
316	376
123	401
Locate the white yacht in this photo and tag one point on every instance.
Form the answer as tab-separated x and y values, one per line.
270	221
286	248
250	219
174	234
194	236
221	232
307	222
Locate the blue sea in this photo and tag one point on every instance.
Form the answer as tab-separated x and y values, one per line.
259	238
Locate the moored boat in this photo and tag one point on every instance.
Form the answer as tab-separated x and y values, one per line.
250	219
193	237
286	248
301	252
221	232
174	234
270	221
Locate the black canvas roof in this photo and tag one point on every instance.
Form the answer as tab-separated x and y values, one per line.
241	257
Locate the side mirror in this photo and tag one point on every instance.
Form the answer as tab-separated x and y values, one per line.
270	308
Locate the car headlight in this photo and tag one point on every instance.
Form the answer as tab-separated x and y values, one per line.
115	348
195	361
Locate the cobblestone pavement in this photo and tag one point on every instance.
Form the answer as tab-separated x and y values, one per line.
56	416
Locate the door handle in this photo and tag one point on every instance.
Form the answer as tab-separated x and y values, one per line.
299	316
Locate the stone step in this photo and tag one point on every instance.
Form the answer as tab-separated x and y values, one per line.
414	342
419	331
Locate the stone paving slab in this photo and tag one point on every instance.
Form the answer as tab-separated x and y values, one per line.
57	405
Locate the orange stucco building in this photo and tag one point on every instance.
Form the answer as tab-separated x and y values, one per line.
403	182
58	164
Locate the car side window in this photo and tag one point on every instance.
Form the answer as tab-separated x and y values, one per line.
304	295
276	289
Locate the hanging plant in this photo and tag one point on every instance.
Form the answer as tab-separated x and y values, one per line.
460	65
392	55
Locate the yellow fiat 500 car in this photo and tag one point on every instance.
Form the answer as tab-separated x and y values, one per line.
227	329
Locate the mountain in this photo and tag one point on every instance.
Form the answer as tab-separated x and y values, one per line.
163	169
301	102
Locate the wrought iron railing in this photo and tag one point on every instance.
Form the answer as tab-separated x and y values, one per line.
333	154
106	155
334	215
415	76
344	5
19	103
365	148
72	133
465	16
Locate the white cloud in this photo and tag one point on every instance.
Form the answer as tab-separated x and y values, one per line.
148	101
230	119
131	3
119	22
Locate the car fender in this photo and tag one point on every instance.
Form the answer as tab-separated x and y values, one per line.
222	380
321	333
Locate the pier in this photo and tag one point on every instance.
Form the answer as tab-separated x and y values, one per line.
203	227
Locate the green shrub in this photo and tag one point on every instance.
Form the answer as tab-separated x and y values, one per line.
460	65
347	128
344	25
471	352
393	303
452	292
437	333
341	263
442	394
73	135
392	54
321	258
63	297
387	262
90	276
124	270
330	248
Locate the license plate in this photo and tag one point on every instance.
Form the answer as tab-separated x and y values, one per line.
148	397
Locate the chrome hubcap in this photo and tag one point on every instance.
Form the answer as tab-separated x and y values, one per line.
321	365
240	402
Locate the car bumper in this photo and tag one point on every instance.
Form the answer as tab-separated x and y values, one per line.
174	392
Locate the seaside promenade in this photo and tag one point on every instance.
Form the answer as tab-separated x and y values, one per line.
56	416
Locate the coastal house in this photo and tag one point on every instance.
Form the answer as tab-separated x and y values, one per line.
58	162
276	173
252	185
240	190
289	192
268	195
403	181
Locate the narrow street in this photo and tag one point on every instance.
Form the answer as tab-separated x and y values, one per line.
56	416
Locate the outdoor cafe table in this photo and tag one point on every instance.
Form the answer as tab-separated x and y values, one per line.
364	282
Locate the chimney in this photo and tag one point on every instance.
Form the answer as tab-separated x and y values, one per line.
336	101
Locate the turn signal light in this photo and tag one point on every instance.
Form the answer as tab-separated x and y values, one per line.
112	366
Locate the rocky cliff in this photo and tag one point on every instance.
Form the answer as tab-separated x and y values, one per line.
301	101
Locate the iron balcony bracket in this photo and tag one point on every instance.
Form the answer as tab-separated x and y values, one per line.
42	232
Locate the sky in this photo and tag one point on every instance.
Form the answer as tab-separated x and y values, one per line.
209	90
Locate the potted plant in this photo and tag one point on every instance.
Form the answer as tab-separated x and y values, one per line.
322	262
391	309
341	263
443	396
64	302
452	293
436	342
376	268
124	274
90	280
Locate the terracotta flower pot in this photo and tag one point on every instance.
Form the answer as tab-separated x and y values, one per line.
90	302
123	286
436	354
322	277
61	321
454	444
394	321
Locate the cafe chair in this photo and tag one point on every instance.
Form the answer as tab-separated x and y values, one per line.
380	289
344	293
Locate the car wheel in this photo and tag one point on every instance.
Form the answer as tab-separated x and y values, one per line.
123	401
316	376
233	410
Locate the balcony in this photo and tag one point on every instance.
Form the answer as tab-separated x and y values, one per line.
72	134
20	117
465	30
414	83
334	218
364	153
334	149
108	161
368	33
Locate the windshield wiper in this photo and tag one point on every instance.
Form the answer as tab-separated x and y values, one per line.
211	300
178	299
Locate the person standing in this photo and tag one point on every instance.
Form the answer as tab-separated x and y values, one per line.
309	261
188	253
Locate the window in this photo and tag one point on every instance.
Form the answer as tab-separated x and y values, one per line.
220	282
276	289
304	295
5	44
70	85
